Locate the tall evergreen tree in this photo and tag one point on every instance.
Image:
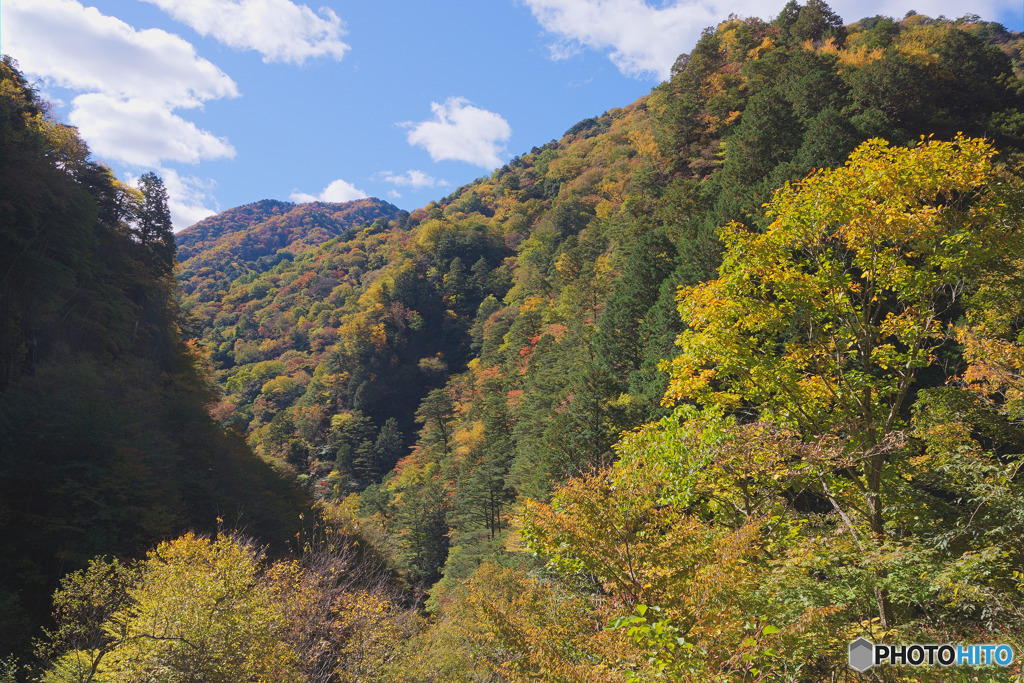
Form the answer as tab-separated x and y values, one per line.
817	21
389	447
618	343
153	224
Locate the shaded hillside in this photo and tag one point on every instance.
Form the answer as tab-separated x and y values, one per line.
248	238
106	446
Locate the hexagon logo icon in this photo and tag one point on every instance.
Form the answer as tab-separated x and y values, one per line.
862	654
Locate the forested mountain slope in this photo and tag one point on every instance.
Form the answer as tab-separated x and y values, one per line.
526	314
592	233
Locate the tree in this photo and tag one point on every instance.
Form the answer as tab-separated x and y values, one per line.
352	435
83	607
213	610
643	548
770	134
817	21
422	517
786	18
482	491
901	90
201	611
389	447
825	323
153	223
436	413
618	342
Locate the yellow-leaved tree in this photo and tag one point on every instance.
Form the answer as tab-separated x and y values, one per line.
826	322
841	457
200	609
201	612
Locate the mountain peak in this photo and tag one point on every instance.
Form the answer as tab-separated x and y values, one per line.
238	240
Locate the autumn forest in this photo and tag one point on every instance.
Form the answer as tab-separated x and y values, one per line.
704	390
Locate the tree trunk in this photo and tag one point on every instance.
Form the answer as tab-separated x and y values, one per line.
877	521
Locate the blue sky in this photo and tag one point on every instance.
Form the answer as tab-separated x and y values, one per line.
233	101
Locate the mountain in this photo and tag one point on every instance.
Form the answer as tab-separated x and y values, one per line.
369	322
254	237
428	376
587	237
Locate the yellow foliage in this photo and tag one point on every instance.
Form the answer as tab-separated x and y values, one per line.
852	57
877	212
201	612
566	168
830	47
613	192
921	42
76	666
606	209
644	550
431	231
994	353
859	56
645	144
211	610
505	624
372	626
766	46
65	147
533	302
507	206
469	439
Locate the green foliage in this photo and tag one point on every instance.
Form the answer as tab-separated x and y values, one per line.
816	21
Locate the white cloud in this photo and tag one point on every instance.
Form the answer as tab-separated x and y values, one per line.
280	30
133	80
563	50
79	48
644	40
142	133
412	178
462	132
186	196
338	191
